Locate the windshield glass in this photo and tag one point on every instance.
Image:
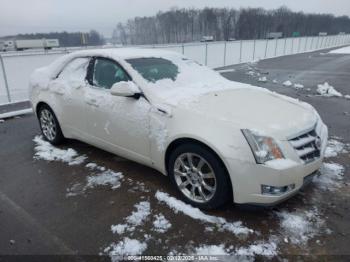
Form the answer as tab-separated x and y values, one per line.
175	78
173	71
154	69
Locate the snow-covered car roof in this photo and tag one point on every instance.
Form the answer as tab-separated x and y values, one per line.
125	53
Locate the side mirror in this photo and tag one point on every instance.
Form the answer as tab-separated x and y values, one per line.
125	89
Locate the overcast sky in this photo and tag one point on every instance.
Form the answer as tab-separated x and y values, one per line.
27	16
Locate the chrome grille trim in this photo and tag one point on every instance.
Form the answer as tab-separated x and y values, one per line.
306	147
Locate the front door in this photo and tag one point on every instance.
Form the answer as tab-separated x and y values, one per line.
119	124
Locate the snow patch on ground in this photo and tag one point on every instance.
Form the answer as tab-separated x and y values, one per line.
106	178
261	249
130	246
119	229
161	224
331	177
137	218
44	150
211	250
327	90
178	206
287	83
125	247
335	147
93	166
300	226
74	190
347	96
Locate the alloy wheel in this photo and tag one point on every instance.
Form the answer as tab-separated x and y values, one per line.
48	124
195	177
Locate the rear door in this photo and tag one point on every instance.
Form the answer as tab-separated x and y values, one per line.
69	88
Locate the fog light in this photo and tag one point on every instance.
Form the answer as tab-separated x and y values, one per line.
273	190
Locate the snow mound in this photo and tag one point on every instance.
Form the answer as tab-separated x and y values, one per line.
347	96
287	83
300	226
343	50
178	206
125	247
262	79
298	86
327	90
44	150
106	178
161	224
331	176
335	147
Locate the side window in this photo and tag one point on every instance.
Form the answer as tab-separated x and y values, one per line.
106	73
75	70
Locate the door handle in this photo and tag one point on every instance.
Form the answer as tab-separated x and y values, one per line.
59	92
92	102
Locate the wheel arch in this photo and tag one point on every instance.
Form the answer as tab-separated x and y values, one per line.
185	140
39	105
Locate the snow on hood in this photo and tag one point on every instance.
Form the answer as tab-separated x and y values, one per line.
257	108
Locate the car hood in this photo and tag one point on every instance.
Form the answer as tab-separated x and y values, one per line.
258	109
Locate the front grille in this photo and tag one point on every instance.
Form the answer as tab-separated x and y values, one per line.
307	146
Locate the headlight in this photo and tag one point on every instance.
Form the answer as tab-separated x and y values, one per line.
264	148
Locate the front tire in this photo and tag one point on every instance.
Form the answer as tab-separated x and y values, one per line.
199	176
50	128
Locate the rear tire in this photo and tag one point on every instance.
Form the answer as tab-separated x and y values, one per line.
199	176
50	128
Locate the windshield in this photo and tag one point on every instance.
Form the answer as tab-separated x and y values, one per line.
173	71
155	69
175	78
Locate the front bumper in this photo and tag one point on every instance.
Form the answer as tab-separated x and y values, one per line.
248	178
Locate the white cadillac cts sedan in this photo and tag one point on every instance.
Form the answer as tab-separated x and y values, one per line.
217	140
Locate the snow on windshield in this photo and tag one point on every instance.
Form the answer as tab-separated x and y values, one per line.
155	69
174	70
176	79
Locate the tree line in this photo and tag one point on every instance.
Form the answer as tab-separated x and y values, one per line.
188	25
66	39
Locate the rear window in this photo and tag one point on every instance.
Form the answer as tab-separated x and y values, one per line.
154	69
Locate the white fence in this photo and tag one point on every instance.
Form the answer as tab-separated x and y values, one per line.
16	67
